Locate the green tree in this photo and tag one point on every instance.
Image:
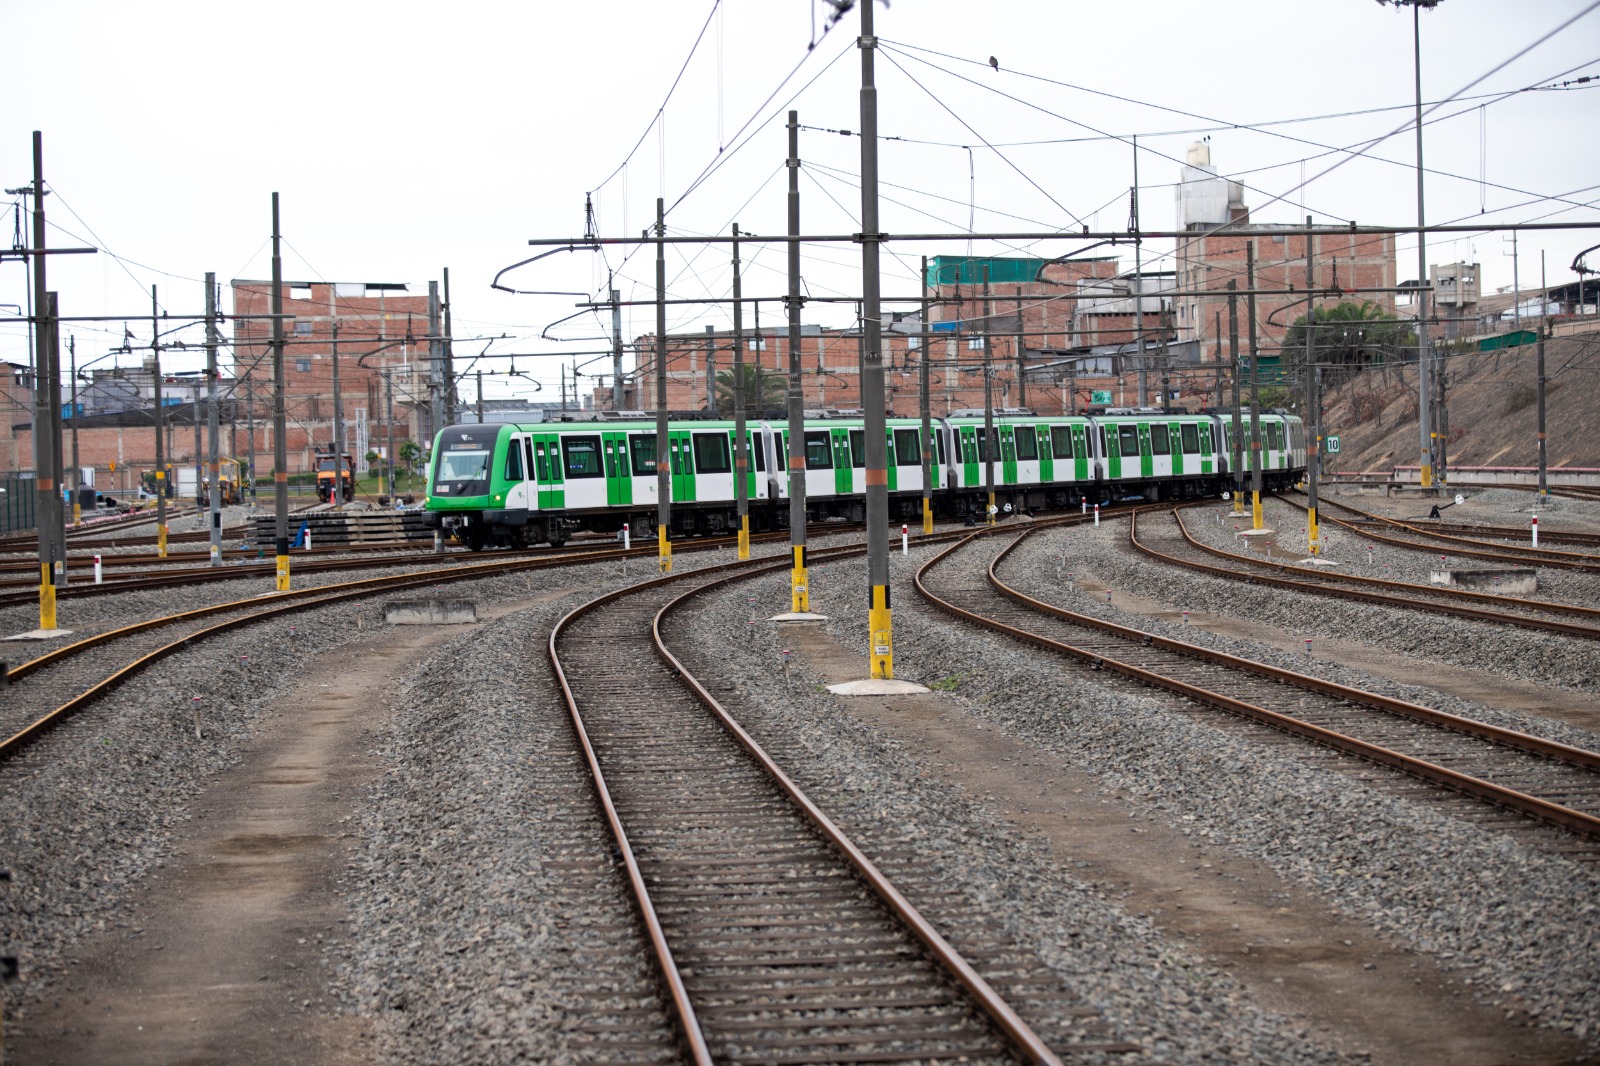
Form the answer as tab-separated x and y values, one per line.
763	388
1349	337
409	454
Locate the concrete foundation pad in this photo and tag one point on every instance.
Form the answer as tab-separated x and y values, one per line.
876	686
1506	580
798	616
41	634
1318	561
1262	532
433	611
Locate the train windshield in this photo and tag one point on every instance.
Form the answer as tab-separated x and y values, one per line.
463	465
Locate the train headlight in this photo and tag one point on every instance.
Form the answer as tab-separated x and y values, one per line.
497	498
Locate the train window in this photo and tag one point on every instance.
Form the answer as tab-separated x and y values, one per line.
1061	443
1275	436
1128	441
514	462
1191	437
983	453
539	463
643	451
711	453
527	455
938	438
463	464
858	448
1103	451
1160	441
582	455
908	447
1027	443
758	446
819	450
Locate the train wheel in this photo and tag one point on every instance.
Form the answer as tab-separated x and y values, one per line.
474	538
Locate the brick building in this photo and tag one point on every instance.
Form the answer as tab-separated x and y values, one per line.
1212	257
390	365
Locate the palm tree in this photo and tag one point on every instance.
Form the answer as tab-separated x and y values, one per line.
1350	336
763	388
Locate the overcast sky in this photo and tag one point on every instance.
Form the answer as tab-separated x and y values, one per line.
406	138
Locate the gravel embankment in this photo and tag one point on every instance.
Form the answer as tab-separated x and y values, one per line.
1521	926
1509	651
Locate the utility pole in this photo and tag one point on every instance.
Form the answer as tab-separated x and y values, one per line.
741	437
436	382
1516	285
923	407
616	342
1313	421
711	370
1424	352
213	430
879	615
1136	288
280	446
52	554
1218	334
451	399
1022	368
77	470
799	588
161	455
1544	328
388	405
663	461
338	423
990	444
1255	391
250	428
1238	431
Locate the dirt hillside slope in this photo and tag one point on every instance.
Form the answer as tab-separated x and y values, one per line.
1491	407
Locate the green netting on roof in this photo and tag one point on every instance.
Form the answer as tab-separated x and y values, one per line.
968	270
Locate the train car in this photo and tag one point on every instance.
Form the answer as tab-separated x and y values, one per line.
509	484
1282	448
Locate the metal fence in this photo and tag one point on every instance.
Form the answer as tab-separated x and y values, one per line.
18	498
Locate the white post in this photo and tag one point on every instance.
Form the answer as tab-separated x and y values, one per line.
1097	514
97	569
905	540
627	537
1535	531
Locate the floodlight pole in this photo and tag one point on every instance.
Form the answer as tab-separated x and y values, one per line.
923	404
214	497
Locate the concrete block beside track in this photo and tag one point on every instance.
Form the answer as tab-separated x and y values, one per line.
431	611
1503	580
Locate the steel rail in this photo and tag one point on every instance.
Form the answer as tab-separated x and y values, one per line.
1586	562
1566	818
998	1010
1325	588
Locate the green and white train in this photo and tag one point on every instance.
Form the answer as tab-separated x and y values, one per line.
515	485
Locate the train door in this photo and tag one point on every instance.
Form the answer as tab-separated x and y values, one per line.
1025	442
619	477
1008	454
641	469
521	491
858	462
843	466
971	461
552	494
713	466
1082	445
755	464
1113	444
905	461
681	463
1045	436
1146	458
820	477
583	470
1164	459
1208	458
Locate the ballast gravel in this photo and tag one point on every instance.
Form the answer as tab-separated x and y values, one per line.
473	899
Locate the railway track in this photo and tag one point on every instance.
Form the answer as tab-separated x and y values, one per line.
778	940
1430	537
1473	769
1568	620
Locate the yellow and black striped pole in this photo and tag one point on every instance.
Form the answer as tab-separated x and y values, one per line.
664	544
799	589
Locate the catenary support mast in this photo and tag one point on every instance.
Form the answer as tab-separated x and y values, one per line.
879	615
